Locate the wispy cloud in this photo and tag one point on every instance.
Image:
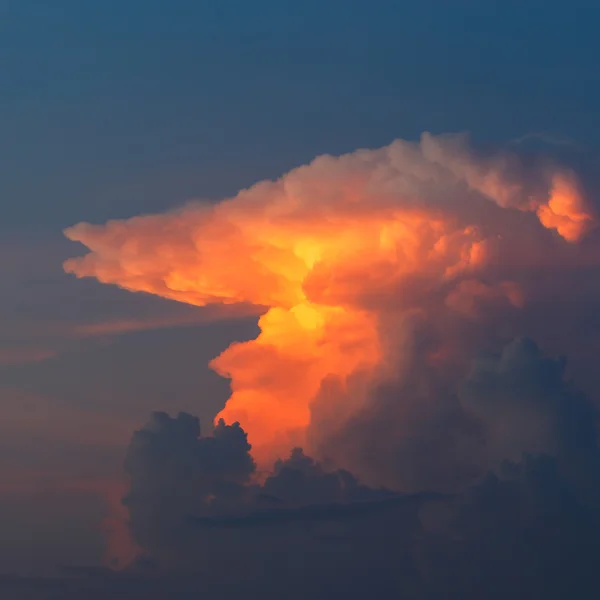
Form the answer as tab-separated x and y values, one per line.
132	325
19	356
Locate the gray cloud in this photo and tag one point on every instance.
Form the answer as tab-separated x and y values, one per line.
518	522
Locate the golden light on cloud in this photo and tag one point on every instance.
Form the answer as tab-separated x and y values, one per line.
325	250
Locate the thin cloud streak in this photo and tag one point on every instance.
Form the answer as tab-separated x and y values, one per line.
125	326
19	356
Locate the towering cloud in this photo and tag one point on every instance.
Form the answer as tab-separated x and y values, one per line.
394	415
366	265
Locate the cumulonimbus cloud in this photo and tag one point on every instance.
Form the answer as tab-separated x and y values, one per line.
338	253
381	276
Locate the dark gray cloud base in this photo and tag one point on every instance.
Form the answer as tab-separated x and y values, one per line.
503	498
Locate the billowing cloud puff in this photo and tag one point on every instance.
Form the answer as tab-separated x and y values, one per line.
175	473
370	422
337	254
527	405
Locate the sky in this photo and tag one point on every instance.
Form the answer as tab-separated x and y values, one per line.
109	110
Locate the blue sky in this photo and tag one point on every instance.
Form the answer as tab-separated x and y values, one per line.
113	108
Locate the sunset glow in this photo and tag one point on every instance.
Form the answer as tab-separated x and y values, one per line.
322	250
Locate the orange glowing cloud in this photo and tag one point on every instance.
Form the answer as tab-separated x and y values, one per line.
566	210
121	549
322	250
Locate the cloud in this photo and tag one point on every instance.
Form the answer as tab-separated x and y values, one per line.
196	504
168	455
524	534
393	419
470	296
311	514
527	405
339	252
547	139
132	325
553	193
305	527
511	405
17	356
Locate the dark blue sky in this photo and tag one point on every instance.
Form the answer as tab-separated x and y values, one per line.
113	108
